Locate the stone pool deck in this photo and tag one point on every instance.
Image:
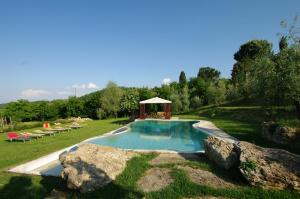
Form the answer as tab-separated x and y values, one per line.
36	167
213	130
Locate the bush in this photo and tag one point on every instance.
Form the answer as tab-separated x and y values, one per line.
17	126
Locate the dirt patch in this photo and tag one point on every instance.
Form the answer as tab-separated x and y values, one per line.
155	179
174	158
200	176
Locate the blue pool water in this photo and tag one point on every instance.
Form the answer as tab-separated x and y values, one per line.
178	136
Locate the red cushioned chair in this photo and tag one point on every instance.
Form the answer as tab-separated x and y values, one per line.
15	136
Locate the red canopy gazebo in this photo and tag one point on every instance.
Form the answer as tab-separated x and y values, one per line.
156	100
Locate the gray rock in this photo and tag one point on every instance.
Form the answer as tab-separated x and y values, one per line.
91	166
223	153
278	134
284	135
269	168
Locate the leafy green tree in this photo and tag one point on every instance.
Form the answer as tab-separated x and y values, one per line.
184	98
146	93
74	107
209	74
20	110
91	104
164	91
288	75
283	43
292	31
253	49
246	57
130	102
195	102
111	98
176	101
198	88
216	93
182	79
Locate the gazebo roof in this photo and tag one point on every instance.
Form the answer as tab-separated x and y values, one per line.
155	100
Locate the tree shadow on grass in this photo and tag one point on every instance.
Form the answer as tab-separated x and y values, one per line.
25	186
121	122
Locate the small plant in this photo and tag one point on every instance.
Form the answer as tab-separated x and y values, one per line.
248	166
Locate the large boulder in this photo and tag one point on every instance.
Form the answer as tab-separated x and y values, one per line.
91	166
223	153
278	134
269	168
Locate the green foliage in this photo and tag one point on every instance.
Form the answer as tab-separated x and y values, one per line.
283	43
209	74
197	87
248	166
146	93
184	98
253	49
195	102
292	33
111	98
74	107
101	113
216	93
182	79
130	102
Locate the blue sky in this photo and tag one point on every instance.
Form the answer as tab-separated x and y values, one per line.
47	48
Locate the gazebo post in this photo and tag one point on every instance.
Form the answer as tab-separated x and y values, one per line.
142	111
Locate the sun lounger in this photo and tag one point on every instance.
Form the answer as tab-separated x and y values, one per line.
15	136
32	135
75	126
44	132
61	129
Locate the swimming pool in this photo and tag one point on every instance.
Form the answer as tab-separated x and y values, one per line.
178	136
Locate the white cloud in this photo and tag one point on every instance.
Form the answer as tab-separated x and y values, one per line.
92	86
64	93
85	86
166	81
33	93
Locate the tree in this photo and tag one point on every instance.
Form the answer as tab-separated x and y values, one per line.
176	101
130	102
292	31
288	71
209	74
283	43
110	99
216	93
20	110
74	107
253	49
146	93
246	57
182	79
184	98
197	87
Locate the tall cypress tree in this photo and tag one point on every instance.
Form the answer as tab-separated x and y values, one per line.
182	78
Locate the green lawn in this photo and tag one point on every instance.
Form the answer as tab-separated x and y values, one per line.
241	122
244	123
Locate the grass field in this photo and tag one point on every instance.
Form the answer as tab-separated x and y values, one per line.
241	122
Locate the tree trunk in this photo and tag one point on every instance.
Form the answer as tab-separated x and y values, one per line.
297	105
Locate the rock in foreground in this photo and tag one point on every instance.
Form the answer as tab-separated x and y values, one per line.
221	152
91	166
269	168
